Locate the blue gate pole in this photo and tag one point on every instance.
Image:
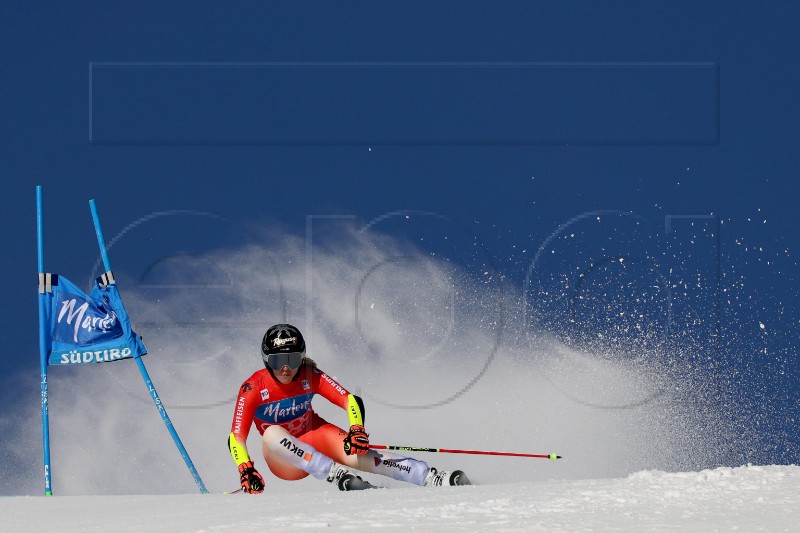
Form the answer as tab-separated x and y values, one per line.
150	388
48	487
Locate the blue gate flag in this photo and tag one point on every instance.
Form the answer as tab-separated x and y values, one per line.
87	328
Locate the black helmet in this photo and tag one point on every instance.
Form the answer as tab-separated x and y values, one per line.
283	345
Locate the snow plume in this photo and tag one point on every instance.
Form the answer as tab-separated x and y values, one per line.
433	344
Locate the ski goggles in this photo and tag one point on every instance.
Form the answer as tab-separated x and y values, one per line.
276	361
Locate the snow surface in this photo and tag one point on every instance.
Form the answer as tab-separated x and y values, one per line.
748	498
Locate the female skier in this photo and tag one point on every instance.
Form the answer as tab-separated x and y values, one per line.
295	441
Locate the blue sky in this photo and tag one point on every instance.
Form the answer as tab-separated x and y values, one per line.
511	121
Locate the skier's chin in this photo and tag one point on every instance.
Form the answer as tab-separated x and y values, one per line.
285	376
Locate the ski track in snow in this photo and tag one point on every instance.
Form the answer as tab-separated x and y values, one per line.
748	498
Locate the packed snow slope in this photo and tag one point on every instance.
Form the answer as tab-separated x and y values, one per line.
748	498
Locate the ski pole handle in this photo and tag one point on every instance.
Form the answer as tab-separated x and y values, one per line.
551	456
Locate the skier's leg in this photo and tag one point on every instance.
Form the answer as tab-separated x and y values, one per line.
329	440
394	465
290	458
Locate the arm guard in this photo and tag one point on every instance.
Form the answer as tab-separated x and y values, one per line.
355	410
238	451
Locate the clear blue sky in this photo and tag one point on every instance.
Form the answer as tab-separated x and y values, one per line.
509	118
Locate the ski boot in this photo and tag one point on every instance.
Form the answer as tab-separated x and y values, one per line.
343	478
443	478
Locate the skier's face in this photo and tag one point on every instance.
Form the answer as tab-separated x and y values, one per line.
285	375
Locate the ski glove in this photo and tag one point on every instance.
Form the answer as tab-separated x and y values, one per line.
357	441
251	480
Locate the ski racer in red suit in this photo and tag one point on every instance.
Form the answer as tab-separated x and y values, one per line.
296	441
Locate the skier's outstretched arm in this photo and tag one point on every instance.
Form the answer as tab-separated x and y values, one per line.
357	440
246	403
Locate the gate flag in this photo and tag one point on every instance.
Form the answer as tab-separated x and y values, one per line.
78	328
87	328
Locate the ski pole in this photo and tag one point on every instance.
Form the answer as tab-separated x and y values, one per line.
551	456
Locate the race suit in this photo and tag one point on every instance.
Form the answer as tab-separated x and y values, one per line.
267	402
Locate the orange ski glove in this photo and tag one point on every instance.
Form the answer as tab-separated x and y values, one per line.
357	441
251	480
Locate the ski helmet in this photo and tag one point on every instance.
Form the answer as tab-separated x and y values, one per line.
283	345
